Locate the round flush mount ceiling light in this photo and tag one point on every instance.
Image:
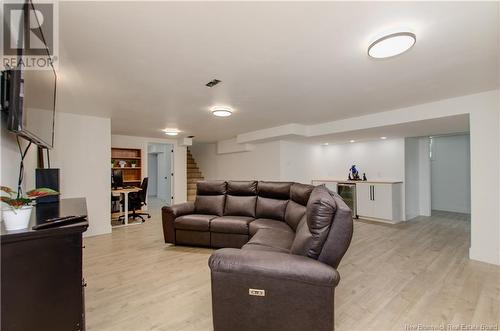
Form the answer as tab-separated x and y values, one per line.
221	111
171	132
391	45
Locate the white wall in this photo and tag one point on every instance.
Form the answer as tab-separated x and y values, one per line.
82	149
296	162
10	158
424	175
262	163
485	172
412	178
180	186
380	160
417	177
299	162
450	173
293	161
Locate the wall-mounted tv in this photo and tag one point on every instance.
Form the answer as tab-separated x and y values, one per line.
29	99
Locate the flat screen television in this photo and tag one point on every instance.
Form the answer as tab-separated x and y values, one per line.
30	101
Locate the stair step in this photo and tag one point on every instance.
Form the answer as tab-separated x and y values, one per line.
193	176
195	179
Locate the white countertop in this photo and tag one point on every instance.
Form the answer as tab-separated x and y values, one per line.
343	181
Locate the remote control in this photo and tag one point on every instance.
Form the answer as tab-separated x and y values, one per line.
58	221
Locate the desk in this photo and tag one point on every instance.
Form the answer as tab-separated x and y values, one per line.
125	192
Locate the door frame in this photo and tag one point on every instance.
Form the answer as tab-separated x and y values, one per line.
171	147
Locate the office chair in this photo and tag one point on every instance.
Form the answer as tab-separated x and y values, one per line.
138	199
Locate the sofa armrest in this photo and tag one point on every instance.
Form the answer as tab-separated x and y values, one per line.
283	291
283	266
169	214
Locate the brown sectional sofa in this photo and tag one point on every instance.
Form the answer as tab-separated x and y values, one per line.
228	214
292	237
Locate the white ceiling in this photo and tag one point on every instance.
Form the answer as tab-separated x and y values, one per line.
425	128
145	64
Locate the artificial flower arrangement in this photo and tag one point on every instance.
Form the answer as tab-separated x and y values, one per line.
17	216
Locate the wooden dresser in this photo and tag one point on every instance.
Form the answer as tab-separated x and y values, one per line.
42	287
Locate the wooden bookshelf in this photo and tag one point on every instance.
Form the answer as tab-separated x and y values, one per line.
131	175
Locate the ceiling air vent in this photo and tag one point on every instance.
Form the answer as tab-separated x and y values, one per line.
212	83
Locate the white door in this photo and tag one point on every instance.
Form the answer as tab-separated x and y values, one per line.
364	199
382	201
163	161
167	179
152	174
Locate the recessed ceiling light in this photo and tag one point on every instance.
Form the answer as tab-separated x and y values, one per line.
352	141
171	132
383	138
221	111
392	45
325	144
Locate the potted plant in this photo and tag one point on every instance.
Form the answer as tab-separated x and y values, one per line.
112	163
133	163
17	215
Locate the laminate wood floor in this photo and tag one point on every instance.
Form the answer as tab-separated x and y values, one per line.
393	277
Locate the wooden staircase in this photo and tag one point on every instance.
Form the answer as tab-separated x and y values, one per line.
193	176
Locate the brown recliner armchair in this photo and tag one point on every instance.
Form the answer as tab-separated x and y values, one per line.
292	238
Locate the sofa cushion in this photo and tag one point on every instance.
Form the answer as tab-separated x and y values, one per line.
300	193
240	205
244	188
340	234
196	222
230	224
294	213
264	223
209	204
227	240
277	239
212	187
190	237
302	240
270	208
274	190
321	209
